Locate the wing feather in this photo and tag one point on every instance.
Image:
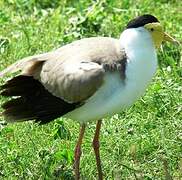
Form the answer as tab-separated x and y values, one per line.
75	71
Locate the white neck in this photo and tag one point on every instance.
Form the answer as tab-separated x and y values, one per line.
137	38
138	45
141	56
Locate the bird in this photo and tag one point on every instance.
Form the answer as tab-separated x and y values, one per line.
86	80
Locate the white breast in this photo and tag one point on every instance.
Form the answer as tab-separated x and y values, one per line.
115	94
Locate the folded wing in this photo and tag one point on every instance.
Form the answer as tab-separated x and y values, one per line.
67	76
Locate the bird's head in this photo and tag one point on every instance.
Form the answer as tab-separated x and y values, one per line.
154	27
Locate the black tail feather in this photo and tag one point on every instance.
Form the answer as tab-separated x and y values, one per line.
32	102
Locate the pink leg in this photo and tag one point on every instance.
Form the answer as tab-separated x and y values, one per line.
78	152
95	144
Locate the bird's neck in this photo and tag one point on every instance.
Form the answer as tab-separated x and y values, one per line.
141	54
138	45
138	39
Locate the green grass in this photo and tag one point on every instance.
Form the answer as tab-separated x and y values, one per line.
144	142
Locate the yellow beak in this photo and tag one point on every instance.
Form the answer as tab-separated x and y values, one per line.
168	38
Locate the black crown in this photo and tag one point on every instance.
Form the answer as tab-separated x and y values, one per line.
141	21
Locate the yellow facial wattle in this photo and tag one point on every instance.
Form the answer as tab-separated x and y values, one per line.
158	34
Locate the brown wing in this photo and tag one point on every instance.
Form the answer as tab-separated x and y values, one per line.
73	82
26	64
75	71
78	71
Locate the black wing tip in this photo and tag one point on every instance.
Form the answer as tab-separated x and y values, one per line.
32	101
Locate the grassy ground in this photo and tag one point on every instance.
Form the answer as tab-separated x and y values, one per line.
144	142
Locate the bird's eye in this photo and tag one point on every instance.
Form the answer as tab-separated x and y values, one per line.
152	29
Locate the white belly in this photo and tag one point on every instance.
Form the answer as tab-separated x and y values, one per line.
116	94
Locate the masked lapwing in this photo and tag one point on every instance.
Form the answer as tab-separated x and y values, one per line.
86	80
